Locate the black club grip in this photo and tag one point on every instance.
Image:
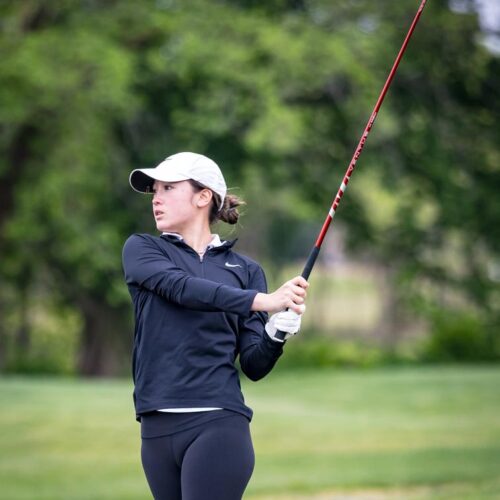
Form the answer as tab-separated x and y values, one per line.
305	274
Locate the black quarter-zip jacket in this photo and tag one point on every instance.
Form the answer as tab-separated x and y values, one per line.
192	319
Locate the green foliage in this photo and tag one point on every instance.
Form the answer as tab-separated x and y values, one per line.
278	93
460	336
323	353
51	347
51	352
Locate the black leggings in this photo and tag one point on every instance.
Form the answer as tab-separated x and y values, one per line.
212	461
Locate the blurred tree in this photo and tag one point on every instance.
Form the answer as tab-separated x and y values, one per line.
278	93
442	164
64	86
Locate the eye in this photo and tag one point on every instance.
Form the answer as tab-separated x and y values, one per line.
167	187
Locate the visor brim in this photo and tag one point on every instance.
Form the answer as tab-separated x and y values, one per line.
142	179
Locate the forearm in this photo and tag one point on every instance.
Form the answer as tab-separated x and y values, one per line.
258	360
291	295
260	302
201	294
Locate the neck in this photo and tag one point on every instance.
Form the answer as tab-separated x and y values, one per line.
197	236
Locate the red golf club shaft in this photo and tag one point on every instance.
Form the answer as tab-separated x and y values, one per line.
357	153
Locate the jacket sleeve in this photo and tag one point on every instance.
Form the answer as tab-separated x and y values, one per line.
258	353
146	266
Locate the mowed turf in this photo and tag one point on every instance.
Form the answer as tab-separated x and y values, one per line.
429	432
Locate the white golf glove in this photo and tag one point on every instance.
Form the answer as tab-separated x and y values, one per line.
285	321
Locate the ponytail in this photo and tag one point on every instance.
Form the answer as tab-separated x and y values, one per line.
229	212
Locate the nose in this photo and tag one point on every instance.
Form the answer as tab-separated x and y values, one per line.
155	201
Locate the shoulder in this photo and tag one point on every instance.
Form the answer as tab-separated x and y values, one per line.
141	238
138	241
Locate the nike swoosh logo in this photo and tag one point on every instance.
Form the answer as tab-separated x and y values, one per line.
232	265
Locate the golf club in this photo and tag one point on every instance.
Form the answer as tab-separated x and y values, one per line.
357	153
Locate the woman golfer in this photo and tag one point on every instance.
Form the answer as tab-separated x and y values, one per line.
198	305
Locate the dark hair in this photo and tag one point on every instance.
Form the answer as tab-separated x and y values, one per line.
229	212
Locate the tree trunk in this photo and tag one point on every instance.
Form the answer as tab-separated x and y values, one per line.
3	338
393	323
105	343
22	338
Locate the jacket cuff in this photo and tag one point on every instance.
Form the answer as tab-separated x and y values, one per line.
272	346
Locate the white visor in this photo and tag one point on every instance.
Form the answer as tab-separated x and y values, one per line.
181	167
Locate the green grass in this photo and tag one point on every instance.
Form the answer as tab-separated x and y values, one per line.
426	432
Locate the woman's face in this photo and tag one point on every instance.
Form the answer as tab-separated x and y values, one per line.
175	205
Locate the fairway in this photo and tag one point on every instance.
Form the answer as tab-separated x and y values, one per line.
429	432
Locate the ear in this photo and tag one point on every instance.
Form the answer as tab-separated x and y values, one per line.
204	198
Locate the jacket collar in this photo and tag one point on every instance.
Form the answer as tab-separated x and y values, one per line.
216	244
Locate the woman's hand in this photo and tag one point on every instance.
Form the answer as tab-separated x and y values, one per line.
291	295
284	321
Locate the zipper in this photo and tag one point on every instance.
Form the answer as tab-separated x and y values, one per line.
201	264
202	260
205	253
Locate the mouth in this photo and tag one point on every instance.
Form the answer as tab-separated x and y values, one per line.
157	213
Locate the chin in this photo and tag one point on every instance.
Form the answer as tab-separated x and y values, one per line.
164	228
161	227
